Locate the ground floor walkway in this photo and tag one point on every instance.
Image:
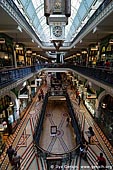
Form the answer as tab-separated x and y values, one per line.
22	139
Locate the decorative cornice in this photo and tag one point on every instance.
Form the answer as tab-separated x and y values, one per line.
10	7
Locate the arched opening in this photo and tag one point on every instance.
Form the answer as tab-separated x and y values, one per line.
106	116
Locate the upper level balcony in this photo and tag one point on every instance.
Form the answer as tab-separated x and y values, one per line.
100	76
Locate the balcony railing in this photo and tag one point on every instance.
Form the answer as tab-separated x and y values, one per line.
8	76
100	74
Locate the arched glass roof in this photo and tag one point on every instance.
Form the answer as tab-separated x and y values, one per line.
81	11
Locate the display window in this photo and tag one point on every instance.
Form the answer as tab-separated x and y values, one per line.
90	105
10	119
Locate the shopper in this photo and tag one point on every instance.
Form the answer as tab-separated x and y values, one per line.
10	152
67	120
79	100
101	162
90	133
107	64
82	149
41	91
16	160
85	150
77	93
39	96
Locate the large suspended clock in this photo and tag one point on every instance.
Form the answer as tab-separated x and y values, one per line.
57	31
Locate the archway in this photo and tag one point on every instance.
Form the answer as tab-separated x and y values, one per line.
105	118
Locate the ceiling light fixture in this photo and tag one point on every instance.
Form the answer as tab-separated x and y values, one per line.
80	41
11	104
84	52
34	54
95	48
2	40
33	41
19	28
111	41
78	54
29	51
94	30
18	47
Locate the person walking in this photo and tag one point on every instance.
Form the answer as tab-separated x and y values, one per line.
85	150
101	162
67	120
42	93
107	64
82	149
79	99
16	160
10	152
90	133
39	96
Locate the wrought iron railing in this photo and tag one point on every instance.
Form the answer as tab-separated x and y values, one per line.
8	76
102	75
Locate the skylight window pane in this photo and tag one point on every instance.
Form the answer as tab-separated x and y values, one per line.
24	2
40	14
30	10
89	3
75	4
82	11
35	21
39	7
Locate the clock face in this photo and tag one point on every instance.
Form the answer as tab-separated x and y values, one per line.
57	31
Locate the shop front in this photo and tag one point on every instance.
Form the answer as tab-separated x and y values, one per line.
6	51
8	119
23	99
90	103
106	51
90	100
105	119
3	127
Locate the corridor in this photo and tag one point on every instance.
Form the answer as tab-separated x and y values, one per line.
56	114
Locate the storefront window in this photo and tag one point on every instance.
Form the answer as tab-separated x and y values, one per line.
6	55
106	117
90	104
11	119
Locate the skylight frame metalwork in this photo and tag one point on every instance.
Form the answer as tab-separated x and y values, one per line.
34	12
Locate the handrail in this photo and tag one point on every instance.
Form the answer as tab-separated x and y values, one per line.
47	153
56	93
38	129
91	157
104	75
8	76
73	119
